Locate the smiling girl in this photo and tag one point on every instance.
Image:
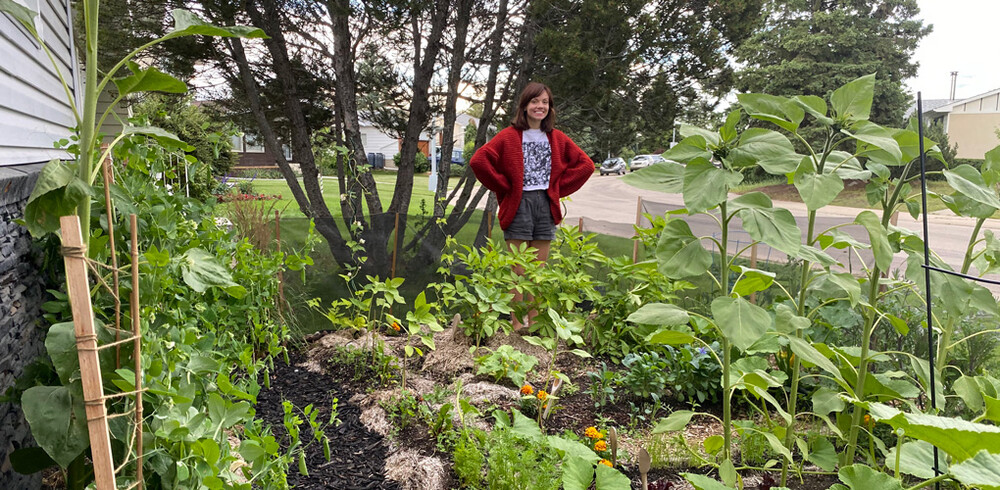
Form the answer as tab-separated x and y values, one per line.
530	166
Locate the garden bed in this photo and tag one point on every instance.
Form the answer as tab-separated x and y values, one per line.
369	451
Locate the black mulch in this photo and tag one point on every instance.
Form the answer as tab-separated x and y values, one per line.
357	454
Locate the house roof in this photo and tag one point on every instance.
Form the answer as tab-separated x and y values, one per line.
928	106
950	105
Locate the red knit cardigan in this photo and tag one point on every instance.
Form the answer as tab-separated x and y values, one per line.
499	165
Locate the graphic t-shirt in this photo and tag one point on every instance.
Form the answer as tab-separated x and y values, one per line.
537	159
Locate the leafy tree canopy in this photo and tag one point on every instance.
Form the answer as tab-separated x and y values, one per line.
812	47
622	71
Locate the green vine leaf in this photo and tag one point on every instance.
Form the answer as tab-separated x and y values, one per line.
58	421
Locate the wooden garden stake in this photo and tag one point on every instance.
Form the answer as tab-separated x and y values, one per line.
613	440
106	164
134	306
74	257
644	461
638	218
581	224
489	226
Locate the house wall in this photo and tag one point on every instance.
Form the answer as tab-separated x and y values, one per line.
34	113
376	141
21	295
975	133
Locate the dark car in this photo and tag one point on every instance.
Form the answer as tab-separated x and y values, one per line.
613	166
456	156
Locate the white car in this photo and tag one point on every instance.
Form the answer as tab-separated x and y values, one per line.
643	161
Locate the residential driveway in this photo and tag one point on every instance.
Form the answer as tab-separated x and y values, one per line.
608	205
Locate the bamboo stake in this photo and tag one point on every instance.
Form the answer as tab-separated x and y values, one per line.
581	224
134	305
638	218
489	227
74	257
106	164
395	246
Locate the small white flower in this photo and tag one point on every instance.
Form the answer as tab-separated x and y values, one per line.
343	197
357	224
361	241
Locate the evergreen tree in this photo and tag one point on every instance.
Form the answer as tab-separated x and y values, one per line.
814	46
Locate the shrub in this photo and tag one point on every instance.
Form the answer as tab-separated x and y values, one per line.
245	187
420	164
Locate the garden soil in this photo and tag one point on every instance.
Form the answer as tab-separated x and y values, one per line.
365	452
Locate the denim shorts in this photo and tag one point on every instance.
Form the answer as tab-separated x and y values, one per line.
533	220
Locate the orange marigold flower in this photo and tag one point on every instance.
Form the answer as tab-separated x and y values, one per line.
606	463
396	327
542	395
600	446
592	433
527	389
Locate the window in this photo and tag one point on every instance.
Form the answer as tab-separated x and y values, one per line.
253	144
238	143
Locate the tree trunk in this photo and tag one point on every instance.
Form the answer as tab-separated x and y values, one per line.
267	18
326	228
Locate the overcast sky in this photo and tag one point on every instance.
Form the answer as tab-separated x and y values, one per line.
964	39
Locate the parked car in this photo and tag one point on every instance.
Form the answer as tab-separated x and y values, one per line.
612	166
643	161
456	156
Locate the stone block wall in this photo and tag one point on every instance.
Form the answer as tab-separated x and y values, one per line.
21	295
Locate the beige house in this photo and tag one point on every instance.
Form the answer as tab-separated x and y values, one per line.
971	123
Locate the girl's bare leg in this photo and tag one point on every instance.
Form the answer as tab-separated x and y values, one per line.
543	247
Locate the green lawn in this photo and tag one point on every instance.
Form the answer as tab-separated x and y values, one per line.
385	183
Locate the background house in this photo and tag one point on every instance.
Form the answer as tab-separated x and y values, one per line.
251	153
971	123
33	114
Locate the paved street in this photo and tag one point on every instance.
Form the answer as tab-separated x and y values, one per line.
608	205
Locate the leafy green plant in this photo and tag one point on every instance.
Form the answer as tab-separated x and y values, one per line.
481	295
469	460
506	362
602	385
645	375
292	422
245	186
692	374
567	331
402	410
852	148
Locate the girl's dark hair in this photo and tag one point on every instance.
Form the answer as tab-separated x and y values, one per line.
534	89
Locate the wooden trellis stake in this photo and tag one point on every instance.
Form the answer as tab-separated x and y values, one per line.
74	257
136	354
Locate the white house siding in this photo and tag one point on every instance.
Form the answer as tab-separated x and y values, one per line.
375	141
33	108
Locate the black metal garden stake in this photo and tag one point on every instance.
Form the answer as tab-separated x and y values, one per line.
927	272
